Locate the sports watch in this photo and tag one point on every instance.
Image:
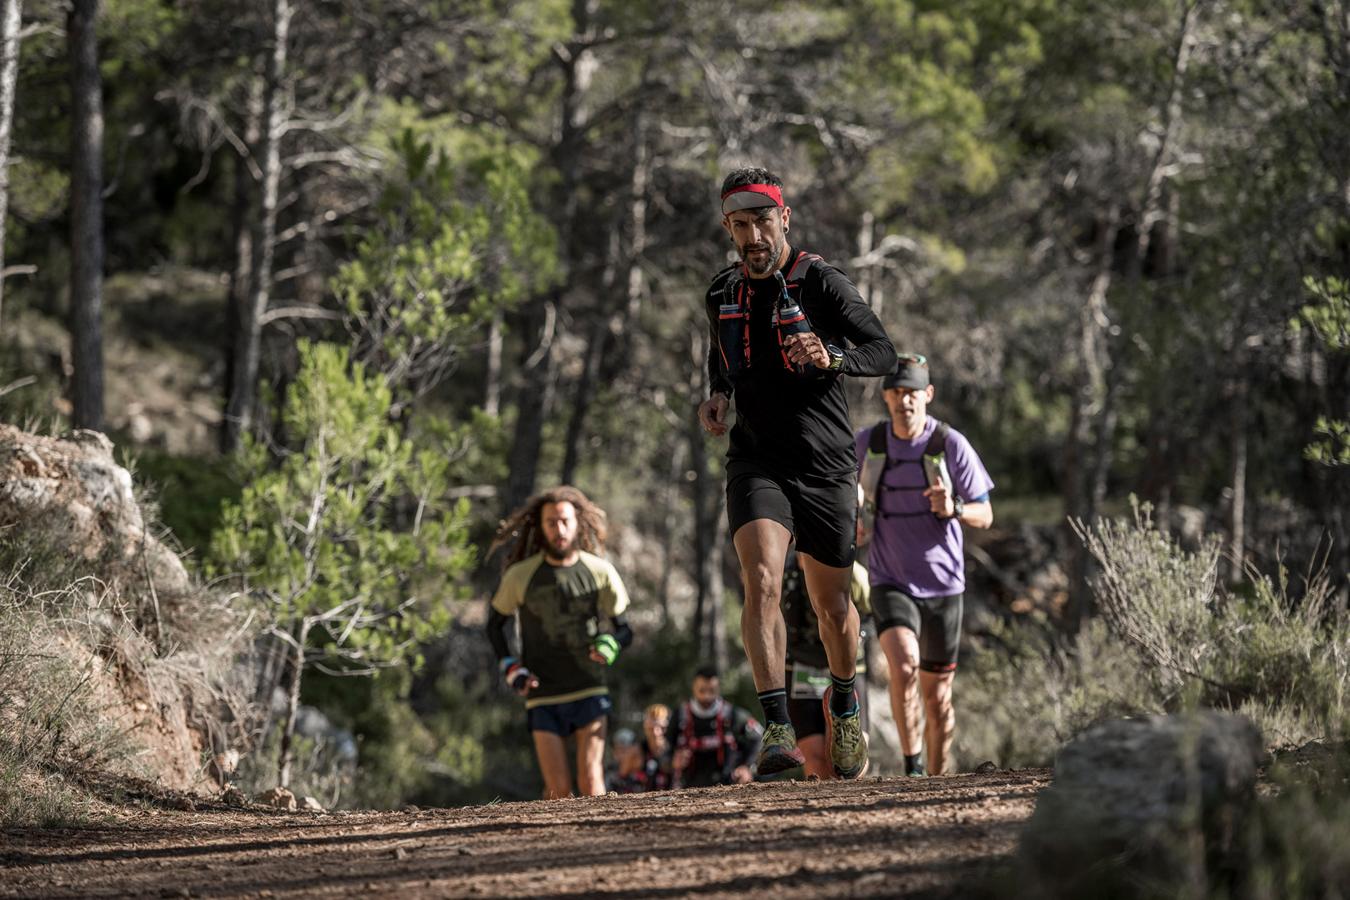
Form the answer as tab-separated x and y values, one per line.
958	507
836	357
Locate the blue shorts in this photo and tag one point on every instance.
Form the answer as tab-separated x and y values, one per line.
564	718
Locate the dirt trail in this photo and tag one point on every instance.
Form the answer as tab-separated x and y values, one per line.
935	837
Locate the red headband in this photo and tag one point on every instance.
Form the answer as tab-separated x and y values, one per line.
731	203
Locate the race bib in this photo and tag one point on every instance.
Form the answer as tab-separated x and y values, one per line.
806	683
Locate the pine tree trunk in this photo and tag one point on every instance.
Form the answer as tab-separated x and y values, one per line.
1237	509
239	412
708	502
1088	402
286	756
536	395
240	225
9	82
492	387
86	217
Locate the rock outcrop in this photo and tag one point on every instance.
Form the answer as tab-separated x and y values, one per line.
150	646
74	488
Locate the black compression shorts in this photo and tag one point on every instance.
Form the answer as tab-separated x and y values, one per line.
820	511
936	621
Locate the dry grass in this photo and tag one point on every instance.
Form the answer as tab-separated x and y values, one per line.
102	674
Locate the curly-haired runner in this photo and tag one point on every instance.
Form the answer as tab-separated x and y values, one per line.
570	605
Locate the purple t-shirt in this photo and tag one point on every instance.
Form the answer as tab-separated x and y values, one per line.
911	548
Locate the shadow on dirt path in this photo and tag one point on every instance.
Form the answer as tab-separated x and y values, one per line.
934	837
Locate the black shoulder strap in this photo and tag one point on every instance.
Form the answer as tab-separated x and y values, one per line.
802	265
876	440
938	442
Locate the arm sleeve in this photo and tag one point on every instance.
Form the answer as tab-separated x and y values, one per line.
718	383
872	352
496	632
623	632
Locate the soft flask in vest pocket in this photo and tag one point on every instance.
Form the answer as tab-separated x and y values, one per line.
789	318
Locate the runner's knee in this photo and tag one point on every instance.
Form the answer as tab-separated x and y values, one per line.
762	586
902	652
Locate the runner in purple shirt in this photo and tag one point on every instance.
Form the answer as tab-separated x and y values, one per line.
916	559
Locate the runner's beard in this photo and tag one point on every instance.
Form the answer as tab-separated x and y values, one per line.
775	253
557	550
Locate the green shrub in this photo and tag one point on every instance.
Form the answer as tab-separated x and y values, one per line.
1299	839
1168	639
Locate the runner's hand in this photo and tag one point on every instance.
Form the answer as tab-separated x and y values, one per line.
806	349
605	649
712	414
518	678
940	501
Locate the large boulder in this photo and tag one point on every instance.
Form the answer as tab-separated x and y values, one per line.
1145	807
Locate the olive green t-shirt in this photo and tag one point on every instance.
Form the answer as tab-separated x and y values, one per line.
561	609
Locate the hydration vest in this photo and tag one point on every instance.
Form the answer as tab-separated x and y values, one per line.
878	461
722	739
789	318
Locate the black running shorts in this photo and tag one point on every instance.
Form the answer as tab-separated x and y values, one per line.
820	511
936	621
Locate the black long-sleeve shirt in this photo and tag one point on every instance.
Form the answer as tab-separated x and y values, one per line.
798	423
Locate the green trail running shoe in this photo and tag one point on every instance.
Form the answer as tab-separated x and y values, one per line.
778	751
847	740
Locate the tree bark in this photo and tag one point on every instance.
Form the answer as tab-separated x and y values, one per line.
536	396
1237	510
239	411
240	225
286	755
708	500
86	217
492	383
9	81
1088	401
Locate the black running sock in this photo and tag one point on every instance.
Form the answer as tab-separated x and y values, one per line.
775	706
912	765
842	701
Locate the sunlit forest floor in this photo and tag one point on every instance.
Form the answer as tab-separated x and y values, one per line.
934	837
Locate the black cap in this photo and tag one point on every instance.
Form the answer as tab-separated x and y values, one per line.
911	371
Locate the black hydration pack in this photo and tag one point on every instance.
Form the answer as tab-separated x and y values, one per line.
789	318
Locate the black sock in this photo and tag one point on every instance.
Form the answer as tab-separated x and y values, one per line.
775	706
913	766
842	701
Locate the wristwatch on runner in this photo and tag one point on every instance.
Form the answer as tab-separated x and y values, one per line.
958	507
836	357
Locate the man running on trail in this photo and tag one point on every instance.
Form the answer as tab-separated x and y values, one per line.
713	741
781	323
570	606
924	481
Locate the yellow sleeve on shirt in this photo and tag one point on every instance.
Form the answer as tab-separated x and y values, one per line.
613	599
510	594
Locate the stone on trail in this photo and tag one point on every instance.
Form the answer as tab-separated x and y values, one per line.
309	804
279	798
1139	805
